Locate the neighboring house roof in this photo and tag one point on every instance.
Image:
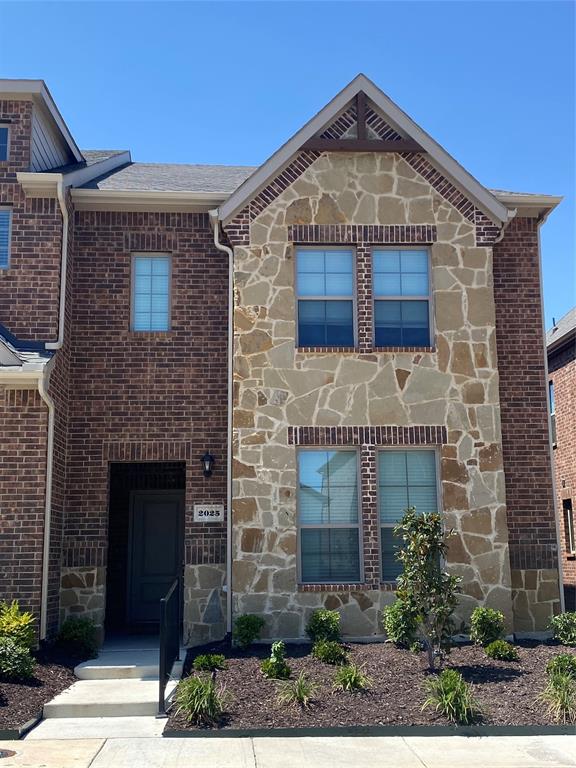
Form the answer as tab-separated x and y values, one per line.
562	332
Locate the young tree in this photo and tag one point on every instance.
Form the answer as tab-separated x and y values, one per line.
424	586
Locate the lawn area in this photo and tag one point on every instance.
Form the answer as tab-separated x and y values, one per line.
507	691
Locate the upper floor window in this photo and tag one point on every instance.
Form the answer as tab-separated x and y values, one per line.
401	298
405	479
328	516
552	411
325	295
5	226
151	293
3	142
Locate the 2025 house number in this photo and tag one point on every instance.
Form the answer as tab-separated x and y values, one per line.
208	513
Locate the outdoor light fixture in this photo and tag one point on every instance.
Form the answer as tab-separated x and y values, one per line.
207	464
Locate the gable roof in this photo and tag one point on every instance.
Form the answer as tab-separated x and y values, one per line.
173	177
562	332
398	120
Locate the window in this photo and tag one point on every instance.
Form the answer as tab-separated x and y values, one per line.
5	222
325	290
405	479
401	298
3	142
552	412
569	533
328	516
151	293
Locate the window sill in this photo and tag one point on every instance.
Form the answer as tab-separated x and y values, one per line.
329	587
403	349
366	351
338	350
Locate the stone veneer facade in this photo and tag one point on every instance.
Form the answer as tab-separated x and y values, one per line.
453	388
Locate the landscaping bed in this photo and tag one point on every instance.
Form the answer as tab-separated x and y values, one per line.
21	701
507	691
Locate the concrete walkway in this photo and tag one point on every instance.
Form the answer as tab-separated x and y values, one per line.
340	752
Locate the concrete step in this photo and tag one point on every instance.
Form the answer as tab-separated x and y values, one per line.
122	665
107	698
97	728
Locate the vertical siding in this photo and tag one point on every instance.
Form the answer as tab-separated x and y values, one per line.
48	149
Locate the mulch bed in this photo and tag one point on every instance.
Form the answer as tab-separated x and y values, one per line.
22	701
507	690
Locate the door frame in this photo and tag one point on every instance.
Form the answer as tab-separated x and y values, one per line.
179	494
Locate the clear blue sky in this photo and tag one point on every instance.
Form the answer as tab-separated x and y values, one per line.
228	82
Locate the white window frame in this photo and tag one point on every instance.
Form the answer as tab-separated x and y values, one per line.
353	297
569	532
429	298
327	526
9	253
403	449
8	132
149	255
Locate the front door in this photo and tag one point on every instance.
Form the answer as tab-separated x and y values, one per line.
155	553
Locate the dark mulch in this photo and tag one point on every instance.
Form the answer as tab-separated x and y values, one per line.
507	690
21	701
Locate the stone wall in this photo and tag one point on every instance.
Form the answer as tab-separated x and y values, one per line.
453	385
83	594
204	604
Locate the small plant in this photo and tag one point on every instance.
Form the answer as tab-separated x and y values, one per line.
298	691
330	652
486	625
276	667
79	636
351	678
209	662
501	651
563	627
400	624
323	625
453	697
560	696
200	700
564	663
17	624
247	628
16	662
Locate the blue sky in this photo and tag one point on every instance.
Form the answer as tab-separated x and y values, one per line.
228	82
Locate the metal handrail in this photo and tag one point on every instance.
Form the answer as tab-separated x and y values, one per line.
169	640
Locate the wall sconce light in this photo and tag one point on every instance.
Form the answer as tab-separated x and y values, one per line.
207	464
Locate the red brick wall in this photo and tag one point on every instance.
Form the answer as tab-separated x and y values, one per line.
23	426
30	287
145	396
562	371
523	393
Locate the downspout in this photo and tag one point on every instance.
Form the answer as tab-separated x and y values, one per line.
225	249
47	505
63	267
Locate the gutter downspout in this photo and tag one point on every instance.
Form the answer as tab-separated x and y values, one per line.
63	267
47	505
225	249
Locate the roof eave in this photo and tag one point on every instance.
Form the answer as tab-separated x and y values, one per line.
142	200
45	184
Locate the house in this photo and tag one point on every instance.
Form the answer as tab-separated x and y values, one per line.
561	348
314	344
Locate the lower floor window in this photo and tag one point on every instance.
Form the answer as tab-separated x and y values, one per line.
328	516
569	532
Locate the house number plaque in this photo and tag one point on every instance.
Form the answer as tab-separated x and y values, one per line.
208	513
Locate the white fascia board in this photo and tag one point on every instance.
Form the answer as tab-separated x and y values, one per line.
44	184
39	184
519	200
398	119
141	200
84	175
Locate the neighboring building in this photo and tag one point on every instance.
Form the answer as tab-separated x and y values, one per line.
387	350
561	345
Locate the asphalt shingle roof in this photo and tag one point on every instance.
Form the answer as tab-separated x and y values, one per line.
562	327
91	156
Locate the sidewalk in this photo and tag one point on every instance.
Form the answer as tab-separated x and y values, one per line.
340	752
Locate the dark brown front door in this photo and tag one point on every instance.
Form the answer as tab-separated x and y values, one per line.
155	553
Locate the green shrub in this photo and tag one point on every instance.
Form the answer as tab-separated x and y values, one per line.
208	662
79	637
17	624
400	624
560	696
501	651
330	652
452	696
276	667
565	663
298	691
564	628
351	678
200	700
247	628
16	662
323	625
486	625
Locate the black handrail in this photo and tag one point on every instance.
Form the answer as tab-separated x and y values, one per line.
169	640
